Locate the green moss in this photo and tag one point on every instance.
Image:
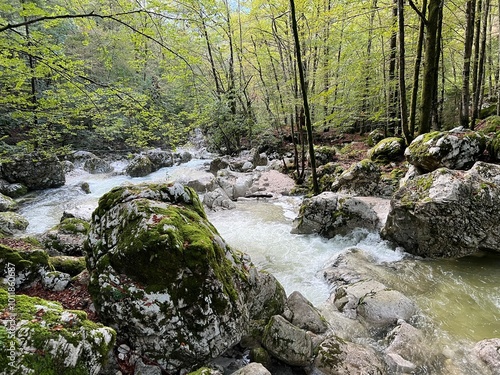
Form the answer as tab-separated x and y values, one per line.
202	371
27	262
42	325
162	240
73	226
67	264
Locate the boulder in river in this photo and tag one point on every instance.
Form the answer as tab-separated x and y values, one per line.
455	149
447	213
12	223
140	166
35	171
164	278
329	214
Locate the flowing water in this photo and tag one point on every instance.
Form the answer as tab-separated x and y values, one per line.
462	297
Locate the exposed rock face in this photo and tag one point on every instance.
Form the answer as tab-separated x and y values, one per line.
339	357
218	199
35	171
235	184
160	158
447	213
301	313
455	149
70	343
161	274
388	149
329	214
97	165
361	178
288	343
489	352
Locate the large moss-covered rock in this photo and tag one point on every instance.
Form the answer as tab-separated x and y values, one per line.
447	213
41	337
7	203
12	190
494	147
165	279
35	171
454	149
66	238
12	223
387	150
361	179
29	265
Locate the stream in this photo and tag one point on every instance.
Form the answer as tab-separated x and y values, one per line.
462	297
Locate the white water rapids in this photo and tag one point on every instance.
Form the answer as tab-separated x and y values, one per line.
462	297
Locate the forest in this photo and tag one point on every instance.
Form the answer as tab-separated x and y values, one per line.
124	75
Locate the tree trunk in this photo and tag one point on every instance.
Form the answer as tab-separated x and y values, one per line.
393	86
469	39
402	83
304	98
429	86
480	65
416	71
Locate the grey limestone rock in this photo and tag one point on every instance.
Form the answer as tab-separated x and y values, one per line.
447	213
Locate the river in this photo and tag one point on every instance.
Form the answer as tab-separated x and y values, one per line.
462	297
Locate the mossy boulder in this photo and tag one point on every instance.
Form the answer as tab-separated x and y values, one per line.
447	213
66	238
68	264
375	136
361	178
12	223
12	190
454	149
35	171
387	150
140	166
324	154
164	278
43	338
494	147
7	203
29	265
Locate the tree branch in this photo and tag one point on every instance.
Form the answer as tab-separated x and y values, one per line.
414	7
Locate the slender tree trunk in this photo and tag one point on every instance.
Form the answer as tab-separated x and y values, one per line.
469	39
393	85
416	71
304	98
480	72
429	88
436	103
402	84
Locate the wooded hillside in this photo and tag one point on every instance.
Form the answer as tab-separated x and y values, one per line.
129	74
